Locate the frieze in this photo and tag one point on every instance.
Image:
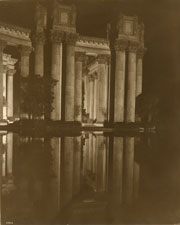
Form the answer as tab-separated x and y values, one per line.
102	59
2	45
25	50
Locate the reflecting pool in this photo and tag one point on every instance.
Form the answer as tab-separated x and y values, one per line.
94	178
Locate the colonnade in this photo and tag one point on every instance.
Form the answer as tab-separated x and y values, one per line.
96	85
128	79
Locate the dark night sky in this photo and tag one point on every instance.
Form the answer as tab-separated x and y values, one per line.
162	31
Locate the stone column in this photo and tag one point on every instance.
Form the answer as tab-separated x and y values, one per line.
56	72
118	169
39	40
119	96
131	83
2	46
91	96
102	92
24	62
139	74
95	96
70	76
10	74
78	86
128	169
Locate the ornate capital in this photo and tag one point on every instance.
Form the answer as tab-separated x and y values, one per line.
120	45
11	72
140	52
39	38
2	45
4	68
25	50
71	38
80	56
57	36
133	47
103	59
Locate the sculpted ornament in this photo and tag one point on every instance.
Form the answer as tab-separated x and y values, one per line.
120	44
71	38
57	36
80	56
133	47
39	38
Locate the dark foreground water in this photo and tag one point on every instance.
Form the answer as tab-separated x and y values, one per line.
90	179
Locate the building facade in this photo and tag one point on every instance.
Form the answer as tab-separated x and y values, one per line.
98	79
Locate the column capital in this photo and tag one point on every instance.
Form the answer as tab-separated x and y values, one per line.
140	52
11	72
2	45
39	38
120	45
56	36
25	50
102	59
133	47
80	56
71	38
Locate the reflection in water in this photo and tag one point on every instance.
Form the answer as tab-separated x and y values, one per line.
90	178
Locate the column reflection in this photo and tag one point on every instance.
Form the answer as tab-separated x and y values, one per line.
95	166
126	171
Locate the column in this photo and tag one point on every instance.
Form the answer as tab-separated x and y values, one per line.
10	74
139	74
24	62
2	46
118	169
39	40
56	72
131	83
119	96
91	96
102	95
128	169
95	97
70	76
78	86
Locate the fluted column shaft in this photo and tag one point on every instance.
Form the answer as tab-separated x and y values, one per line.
24	64
78	87
131	84
2	46
70	77
91	97
139	75
56	72
102	92
95	97
10	74
119	81
39	41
